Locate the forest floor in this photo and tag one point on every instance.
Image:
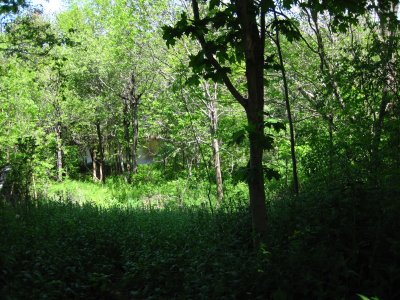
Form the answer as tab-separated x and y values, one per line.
331	246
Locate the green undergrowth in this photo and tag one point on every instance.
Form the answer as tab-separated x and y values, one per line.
142	192
332	245
116	192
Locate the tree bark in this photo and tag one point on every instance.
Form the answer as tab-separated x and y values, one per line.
213	115
120	160
125	122
101	176
94	164
253	43
135	136
218	173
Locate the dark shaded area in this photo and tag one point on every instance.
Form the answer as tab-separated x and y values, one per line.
320	246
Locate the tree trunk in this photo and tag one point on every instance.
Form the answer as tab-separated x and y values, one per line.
120	160
59	151
289	114
218	174
94	164
101	153
254	57
331	152
135	135
256	175
325	68
388	36
134	99
253	45
217	159
125	122
213	116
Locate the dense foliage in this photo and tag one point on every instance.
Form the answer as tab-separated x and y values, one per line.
202	149
322	247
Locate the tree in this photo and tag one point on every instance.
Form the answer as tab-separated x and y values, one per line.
279	25
387	12
127	40
12	6
31	41
243	24
360	82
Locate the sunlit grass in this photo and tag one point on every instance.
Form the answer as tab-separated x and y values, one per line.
80	192
117	192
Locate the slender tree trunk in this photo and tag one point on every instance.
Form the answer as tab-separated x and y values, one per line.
213	115
325	70
331	151
101	152
324	64
218	174
59	151
135	130
126	135
93	154
120	160
254	57
289	114
183	158
134	99
35	195
388	36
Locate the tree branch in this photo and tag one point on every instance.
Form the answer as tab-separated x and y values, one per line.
209	55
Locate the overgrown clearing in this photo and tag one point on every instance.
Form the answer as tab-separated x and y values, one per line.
147	189
319	247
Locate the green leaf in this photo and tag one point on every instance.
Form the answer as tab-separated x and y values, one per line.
268	142
241	174
197	61
238	137
214	4
193	80
271	173
275	124
288	28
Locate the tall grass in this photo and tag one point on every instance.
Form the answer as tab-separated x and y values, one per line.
142	192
